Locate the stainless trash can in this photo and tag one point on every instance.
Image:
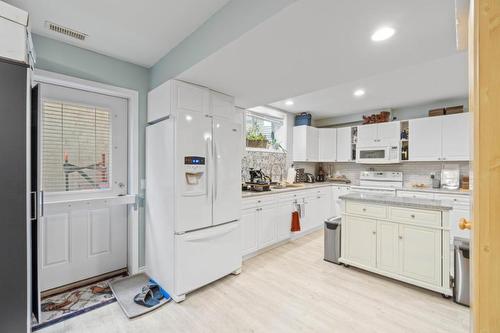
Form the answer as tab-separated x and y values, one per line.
461	286
332	239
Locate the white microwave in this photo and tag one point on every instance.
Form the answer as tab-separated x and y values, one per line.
378	155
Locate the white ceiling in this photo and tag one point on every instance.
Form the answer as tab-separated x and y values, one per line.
140	32
431	81
312	45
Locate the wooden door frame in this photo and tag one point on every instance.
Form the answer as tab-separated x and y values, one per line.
132	96
484	102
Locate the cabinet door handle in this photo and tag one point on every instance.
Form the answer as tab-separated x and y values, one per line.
364	209
374	232
400	237
412	216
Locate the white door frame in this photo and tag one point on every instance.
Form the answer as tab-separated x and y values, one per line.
132	96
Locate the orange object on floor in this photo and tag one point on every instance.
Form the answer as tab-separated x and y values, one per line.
295	222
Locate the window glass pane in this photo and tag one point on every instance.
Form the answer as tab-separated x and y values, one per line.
260	128
75	147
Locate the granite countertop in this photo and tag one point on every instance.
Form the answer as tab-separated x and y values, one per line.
436	190
250	194
397	201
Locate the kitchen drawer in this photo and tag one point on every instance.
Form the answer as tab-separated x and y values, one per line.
417	216
264	200
420	195
360	208
454	200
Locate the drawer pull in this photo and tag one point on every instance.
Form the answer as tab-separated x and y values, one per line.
412	216
364	209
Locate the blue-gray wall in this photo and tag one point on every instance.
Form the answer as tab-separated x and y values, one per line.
70	60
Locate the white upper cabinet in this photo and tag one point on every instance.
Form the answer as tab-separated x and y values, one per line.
457	137
191	97
443	138
159	102
174	95
221	105
425	139
376	135
389	133
305	144
327	144
367	135
344	146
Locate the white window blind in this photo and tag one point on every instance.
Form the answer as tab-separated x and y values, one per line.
76	150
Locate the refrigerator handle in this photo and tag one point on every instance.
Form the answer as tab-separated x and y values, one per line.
206	168
216	168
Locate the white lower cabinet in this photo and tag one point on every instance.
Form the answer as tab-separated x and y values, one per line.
249	231
361	240
267	225
421	253
284	220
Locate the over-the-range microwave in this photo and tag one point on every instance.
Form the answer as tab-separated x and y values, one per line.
378	155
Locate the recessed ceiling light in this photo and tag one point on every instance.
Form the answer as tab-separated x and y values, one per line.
359	93
383	34
289	103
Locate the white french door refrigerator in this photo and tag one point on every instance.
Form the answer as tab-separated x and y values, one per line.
193	198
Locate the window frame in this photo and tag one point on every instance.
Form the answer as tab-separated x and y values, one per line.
273	116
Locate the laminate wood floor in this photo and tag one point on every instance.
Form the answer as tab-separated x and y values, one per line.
290	289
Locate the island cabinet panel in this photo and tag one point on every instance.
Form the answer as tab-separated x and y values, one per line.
409	244
361	244
421	253
388	246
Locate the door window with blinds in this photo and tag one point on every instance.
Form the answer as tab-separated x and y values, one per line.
83	143
76	147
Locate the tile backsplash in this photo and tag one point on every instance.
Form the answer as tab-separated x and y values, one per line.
272	164
413	172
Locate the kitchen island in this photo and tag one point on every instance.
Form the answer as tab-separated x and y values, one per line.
402	238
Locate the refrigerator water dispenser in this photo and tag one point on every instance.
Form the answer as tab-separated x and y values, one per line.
195	175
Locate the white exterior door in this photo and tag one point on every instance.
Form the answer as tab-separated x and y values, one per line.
226	170
83	232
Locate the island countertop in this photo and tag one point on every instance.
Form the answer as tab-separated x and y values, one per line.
417	203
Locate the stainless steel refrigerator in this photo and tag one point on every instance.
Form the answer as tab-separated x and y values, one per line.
17	216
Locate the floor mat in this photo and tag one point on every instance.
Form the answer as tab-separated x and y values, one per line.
125	290
72	303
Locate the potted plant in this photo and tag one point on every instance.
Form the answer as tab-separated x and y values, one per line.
255	138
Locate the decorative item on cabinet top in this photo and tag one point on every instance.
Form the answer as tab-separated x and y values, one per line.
381	117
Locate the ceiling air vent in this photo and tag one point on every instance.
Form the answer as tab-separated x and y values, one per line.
66	31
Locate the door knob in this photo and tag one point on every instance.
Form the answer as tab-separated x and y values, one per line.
463	224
